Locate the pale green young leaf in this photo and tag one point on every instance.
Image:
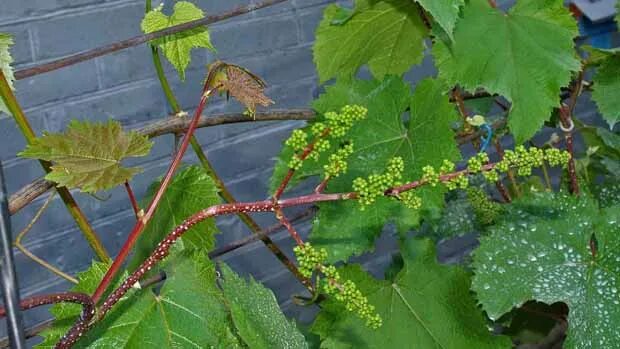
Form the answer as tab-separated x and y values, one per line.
88	155
6	41
387	35
256	314
526	55
382	135
190	191
556	248
177	47
188	312
606	92
427	305
445	12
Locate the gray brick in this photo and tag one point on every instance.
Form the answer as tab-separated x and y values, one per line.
210	135
121	105
21	172
64	35
282	67
13	140
126	66
59	249
250	37
423	70
21	50
294	95
57	85
300	4
211	7
309	20
18	9
283	7
248	152
275	43
286	285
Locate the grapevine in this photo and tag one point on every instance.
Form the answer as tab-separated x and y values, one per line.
312	261
409	161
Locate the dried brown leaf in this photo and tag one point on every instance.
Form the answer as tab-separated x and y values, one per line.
245	87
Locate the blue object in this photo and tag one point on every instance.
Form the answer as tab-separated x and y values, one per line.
598	33
486	140
596	21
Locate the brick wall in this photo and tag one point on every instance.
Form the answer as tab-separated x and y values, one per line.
274	43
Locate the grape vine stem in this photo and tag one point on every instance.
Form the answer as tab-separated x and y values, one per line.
150	211
223	190
273	204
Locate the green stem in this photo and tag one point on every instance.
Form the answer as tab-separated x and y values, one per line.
547	178
510	173
80	219
174	104
202	157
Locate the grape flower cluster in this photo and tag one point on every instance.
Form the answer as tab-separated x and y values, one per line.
460	181
486	210
369	189
338	161
336	125
524	159
312	260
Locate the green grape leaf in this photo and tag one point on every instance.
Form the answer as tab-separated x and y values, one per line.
608	194
427	305
597	55
600	141
445	13
555	248
6	41
177	47
387	35
458	218
607	89
612	165
190	191
526	55
88	155
427	140
431	137
187	312
256	314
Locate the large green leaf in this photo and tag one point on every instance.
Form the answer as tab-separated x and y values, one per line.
340	227
177	47
88	155
445	13
606	92
556	248
387	35
6	41
188	312
427	305
190	191
256	314
526	55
